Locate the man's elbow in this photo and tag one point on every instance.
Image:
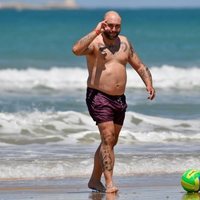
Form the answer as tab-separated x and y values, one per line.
76	51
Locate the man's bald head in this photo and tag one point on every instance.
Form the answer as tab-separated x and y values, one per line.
113	25
112	15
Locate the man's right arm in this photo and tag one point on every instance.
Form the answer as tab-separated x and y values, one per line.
83	46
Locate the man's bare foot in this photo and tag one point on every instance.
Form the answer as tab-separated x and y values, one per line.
111	188
96	185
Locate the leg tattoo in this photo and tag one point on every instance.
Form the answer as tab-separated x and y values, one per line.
107	160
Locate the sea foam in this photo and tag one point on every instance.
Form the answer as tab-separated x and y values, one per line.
78	128
134	164
64	78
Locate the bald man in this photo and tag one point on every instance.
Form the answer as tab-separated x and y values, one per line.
107	55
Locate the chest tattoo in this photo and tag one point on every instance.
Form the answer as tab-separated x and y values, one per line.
112	48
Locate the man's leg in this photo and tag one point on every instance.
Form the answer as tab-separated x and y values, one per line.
109	137
95	180
108	131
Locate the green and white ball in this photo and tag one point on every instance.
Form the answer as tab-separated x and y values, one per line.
190	180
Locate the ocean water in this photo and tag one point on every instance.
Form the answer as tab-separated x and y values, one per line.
45	128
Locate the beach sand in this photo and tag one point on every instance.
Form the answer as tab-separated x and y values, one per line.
130	187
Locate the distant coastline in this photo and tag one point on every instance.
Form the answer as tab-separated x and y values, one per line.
48	6
71	4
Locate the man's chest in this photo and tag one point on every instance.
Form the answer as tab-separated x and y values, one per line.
118	52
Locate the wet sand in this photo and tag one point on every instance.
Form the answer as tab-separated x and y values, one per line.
130	187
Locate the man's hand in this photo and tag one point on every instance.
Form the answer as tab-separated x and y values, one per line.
151	92
101	27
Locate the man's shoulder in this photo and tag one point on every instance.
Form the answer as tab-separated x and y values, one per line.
123	38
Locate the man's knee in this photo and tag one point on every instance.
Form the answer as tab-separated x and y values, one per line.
108	138
108	135
115	141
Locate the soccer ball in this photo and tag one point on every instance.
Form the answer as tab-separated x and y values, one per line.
190	180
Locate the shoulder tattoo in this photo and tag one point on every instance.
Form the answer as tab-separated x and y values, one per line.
124	46
132	51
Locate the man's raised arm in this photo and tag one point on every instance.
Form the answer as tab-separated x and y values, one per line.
83	46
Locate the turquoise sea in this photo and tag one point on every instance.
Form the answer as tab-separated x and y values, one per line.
45	129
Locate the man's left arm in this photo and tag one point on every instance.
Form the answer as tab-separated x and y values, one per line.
142	70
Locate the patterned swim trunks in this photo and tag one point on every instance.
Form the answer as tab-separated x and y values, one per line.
104	107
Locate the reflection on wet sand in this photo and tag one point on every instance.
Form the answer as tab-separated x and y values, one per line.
101	196
191	196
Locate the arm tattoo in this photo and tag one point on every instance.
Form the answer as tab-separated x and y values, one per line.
145	74
84	43
85	40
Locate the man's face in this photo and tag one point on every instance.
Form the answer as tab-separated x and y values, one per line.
112	30
113	26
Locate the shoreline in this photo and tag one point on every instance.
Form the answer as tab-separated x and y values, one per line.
166	186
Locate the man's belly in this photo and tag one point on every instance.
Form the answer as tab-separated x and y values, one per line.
111	85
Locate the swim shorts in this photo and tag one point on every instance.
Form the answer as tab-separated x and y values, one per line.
104	107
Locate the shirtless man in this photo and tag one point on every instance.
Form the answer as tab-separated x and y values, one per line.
107	54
